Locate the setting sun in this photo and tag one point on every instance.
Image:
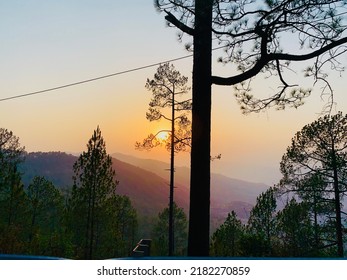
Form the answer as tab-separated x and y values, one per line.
162	135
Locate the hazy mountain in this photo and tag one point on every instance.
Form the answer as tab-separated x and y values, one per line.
146	183
226	193
54	166
148	191
223	189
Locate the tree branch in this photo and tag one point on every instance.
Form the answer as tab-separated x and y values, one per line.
266	58
173	20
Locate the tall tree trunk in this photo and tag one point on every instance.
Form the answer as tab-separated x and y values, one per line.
199	213
172	176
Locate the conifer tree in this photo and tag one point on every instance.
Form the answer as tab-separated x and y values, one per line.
167	86
319	152
46	206
226	239
94	183
13	200
160	229
262	221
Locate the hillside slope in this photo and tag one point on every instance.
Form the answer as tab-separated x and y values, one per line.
146	183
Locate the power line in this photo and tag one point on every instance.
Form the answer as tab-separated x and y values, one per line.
93	79
99	78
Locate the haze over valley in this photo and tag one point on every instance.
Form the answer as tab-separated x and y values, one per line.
146	182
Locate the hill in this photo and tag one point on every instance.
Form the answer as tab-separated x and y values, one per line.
146	183
223	188
54	166
227	194
147	191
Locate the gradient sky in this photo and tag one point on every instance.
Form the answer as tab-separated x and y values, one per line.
49	43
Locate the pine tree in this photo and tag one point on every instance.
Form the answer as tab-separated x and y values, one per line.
94	183
295	230
226	239
46	206
315	167
13	200
167	86
262	218
160	232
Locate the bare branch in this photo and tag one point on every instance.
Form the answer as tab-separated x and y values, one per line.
266	58
173	20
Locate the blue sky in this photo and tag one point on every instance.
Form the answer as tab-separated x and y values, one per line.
49	43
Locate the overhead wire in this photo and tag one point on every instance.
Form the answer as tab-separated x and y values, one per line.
92	79
99	78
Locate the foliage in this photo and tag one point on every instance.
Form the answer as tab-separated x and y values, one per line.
103	224
317	148
161	229
32	220
262	221
119	227
46	210
226	239
37	220
315	166
11	154
295	230
269	232
13	216
314	184
12	196
166	87
93	184
254	36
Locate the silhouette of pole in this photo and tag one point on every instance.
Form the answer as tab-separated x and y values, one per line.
172	170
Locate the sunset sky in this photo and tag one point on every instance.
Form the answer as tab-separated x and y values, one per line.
49	43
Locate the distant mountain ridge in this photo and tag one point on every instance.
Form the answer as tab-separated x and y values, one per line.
222	187
145	181
227	194
54	166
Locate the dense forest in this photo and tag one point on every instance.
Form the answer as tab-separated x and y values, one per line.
301	216
82	217
89	220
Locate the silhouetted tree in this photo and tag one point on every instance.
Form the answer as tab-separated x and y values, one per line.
262	221
11	154
295	230
160	230
167	87
13	215
318	152
94	183
168	84
13	207
311	189
119	227
252	35
226	239
46	209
